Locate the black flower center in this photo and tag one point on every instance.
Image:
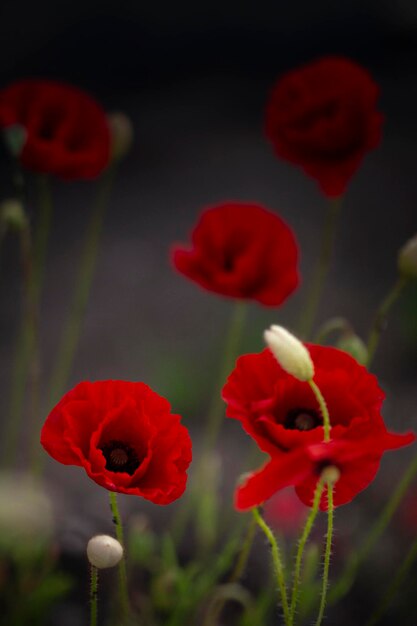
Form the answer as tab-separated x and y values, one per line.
302	419
120	457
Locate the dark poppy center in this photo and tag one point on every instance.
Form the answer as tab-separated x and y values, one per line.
120	457
302	419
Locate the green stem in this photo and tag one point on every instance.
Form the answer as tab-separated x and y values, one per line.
301	546
397	582
242	559
72	330
379	322
26	359
214	420
346	581
216	410
327	553
323	409
73	326
123	589
277	561
93	596
321	270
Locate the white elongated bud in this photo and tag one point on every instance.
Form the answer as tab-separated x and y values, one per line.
104	551
407	258
290	353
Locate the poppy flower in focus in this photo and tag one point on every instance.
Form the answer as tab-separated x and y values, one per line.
67	132
282	415
241	251
124	436
355	459
323	117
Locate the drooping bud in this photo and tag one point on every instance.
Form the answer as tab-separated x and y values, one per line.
104	551
290	353
121	132
12	214
330	474
407	258
353	345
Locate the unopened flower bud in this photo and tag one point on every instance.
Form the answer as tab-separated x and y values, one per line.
353	345
407	258
12	214
330	474
290	353
104	551
121	131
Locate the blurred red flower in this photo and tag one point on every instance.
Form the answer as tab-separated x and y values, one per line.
66	130
323	117
284	512
281	414
124	436
242	251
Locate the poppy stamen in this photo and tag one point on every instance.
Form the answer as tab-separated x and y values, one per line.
302	419
120	457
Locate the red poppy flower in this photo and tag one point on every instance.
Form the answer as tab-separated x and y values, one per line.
281	414
242	251
356	458
124	436
323	117
284	512
66	130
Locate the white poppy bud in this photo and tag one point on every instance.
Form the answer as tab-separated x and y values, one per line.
407	258
290	353
104	551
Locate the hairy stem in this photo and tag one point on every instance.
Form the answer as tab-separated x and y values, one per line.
327	554
277	561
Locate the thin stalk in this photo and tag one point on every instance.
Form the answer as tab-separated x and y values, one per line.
335	324
215	416
123	589
93	595
323	409
216	410
277	561
321	270
345	583
380	318
395	585
73	325
327	554
301	546
26	359
242	559
72	329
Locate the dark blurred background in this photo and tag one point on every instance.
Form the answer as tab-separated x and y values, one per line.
194	79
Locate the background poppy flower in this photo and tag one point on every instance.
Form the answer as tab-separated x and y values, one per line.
67	133
124	436
242	251
323	117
